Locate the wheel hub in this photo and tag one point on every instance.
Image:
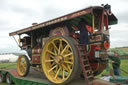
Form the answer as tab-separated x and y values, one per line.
58	59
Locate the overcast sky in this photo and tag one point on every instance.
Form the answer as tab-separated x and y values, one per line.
18	14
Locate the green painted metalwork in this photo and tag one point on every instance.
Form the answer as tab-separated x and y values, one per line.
24	81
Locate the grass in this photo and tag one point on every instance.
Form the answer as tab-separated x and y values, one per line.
124	66
7	65
3	84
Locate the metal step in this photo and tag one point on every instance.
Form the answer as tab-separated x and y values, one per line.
91	76
87	65
88	71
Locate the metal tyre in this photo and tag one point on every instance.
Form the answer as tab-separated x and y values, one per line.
8	79
60	60
2	78
23	66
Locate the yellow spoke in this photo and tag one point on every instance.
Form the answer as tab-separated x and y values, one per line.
67	50
52	64
60	46
64	49
23	69
69	67
68	62
57	73
61	68
55	46
23	64
55	51
49	61
56	68
52	68
70	58
66	55
63	74
51	56
64	67
50	52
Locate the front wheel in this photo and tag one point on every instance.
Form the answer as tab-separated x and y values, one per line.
60	60
23	66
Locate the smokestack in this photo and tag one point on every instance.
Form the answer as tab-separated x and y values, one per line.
34	23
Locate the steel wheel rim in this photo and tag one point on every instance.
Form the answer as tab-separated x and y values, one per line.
57	60
21	65
1	78
8	80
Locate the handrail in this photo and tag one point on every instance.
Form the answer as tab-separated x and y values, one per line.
93	25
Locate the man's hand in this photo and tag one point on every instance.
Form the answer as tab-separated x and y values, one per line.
112	61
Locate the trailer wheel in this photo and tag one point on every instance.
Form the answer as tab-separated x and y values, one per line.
60	60
23	66
8	79
2	78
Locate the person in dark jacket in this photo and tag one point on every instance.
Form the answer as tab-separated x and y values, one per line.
115	63
84	39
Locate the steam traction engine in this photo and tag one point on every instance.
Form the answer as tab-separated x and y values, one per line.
55	46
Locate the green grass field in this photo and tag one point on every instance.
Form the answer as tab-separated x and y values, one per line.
7	65
124	66
3	84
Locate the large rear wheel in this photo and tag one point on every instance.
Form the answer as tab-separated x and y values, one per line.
23	65
60	61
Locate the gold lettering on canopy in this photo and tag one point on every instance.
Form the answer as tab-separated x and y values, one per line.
78	14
